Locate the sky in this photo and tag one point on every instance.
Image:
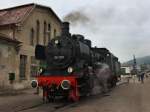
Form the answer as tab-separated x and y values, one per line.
122	26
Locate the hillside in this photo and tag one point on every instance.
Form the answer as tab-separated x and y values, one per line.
141	60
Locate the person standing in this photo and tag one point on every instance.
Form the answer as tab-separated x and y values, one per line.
142	77
139	76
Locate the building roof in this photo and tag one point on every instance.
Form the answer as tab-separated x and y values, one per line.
18	14
8	39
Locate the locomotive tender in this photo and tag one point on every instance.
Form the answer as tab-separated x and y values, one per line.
70	66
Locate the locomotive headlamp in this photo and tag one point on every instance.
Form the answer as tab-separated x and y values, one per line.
70	69
65	84
34	83
107	54
56	42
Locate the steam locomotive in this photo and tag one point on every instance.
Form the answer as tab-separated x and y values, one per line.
71	62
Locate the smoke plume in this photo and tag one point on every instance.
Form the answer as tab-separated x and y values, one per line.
77	17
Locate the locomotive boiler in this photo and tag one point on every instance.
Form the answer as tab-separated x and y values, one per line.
70	67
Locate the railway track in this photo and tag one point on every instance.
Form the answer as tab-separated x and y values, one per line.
54	106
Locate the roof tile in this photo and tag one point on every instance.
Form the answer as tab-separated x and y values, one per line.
14	15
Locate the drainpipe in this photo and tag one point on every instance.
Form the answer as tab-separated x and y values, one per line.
13	28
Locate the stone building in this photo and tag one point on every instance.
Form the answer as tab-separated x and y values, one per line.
21	28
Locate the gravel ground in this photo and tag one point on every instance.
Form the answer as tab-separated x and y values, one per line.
14	103
132	97
127	97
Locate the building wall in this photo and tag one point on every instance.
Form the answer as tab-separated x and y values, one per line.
23	34
8	59
41	15
127	70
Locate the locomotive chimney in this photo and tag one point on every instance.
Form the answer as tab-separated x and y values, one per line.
65	29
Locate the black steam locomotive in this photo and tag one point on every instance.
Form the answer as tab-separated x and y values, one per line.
71	62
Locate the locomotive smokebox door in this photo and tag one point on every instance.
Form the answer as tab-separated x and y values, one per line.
11	77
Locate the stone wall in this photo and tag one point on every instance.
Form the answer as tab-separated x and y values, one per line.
10	59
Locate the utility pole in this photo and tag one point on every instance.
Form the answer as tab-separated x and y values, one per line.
134	65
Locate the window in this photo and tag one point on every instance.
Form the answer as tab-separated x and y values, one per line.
32	37
44	33
49	27
23	62
33	67
49	30
37	31
54	33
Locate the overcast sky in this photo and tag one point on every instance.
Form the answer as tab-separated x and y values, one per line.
123	26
